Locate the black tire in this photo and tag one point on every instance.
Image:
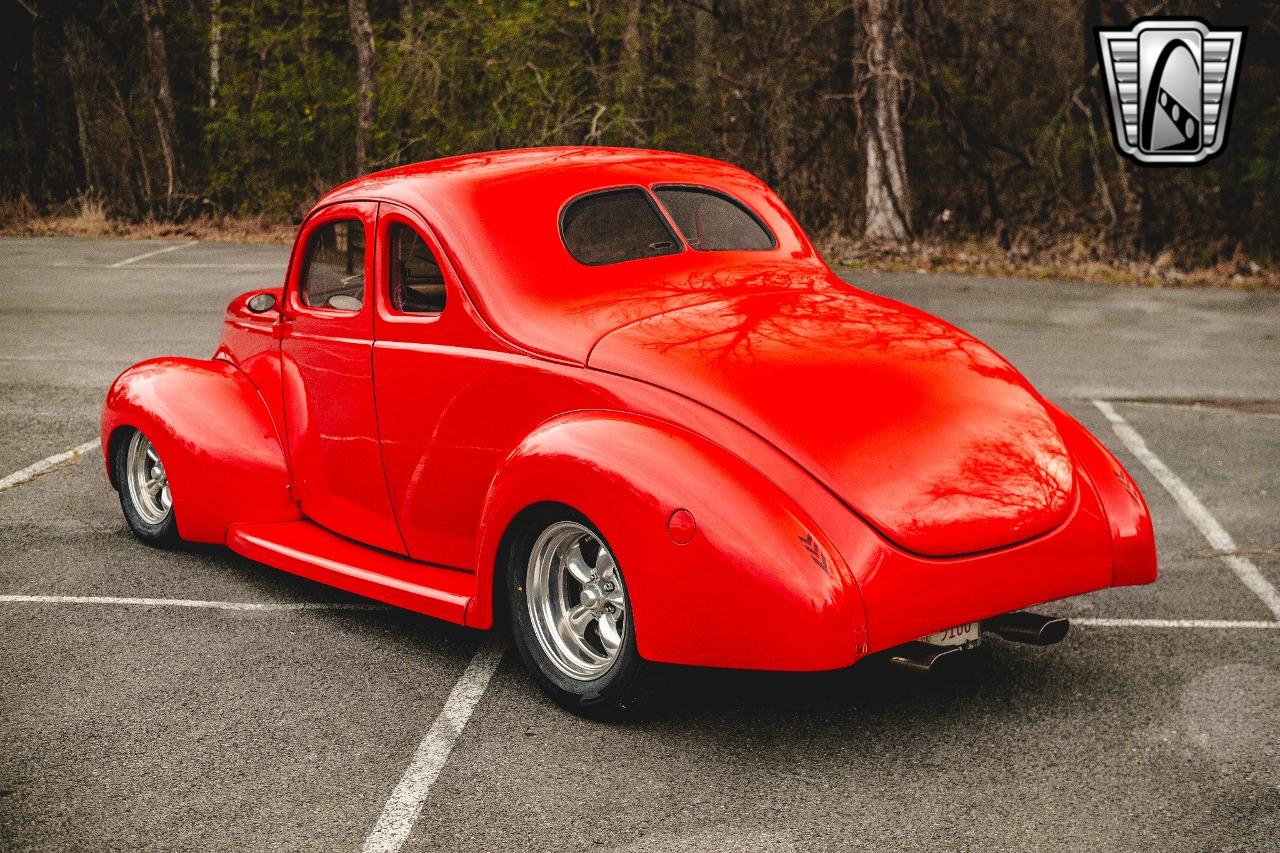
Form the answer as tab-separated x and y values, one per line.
629	688
161	534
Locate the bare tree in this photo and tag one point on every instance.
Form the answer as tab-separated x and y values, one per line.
215	51
362	34
160	91
629	77
704	50
888	203
73	56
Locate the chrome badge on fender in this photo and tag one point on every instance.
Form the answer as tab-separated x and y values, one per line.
1170	82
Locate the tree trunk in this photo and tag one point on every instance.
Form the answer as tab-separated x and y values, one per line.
73	56
888	204
629	77
160	92
215	52
704	53
362	34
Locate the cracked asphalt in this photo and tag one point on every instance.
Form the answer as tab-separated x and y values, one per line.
150	727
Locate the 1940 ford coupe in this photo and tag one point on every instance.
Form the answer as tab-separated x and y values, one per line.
614	400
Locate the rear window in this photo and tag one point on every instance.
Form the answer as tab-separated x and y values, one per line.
616	225
713	222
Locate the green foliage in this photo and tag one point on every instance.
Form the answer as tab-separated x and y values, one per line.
1005	127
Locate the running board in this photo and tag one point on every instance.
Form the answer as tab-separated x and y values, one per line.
306	549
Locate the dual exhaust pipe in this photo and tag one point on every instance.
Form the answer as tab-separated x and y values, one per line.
1018	627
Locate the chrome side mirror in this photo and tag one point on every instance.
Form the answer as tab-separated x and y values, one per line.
262	303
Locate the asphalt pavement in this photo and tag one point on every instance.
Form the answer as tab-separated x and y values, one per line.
125	725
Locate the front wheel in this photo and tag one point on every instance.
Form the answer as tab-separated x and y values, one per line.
571	618
143	484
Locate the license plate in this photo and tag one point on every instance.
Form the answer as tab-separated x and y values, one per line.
961	635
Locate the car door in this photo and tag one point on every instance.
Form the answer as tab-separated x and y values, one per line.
453	401
326	347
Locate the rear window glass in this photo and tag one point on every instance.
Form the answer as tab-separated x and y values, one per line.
417	284
616	225
712	222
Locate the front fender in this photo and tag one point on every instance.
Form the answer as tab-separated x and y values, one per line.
220	447
1133	543
758	586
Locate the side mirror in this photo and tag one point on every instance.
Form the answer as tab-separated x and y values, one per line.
262	303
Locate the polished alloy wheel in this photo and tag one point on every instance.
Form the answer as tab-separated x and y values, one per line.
147	481
577	601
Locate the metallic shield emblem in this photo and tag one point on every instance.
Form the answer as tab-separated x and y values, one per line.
1170	82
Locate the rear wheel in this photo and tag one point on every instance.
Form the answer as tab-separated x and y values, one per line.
143	483
571	618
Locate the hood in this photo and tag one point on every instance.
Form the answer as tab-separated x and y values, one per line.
922	430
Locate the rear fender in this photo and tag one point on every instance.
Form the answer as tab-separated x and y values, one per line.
220	447
1133	544
758	586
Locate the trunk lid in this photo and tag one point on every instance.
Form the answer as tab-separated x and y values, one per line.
925	432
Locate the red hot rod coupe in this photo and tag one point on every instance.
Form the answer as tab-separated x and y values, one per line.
615	400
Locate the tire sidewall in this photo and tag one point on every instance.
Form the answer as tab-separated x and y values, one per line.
602	696
164	533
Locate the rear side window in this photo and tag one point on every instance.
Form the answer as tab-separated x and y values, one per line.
712	222
334	273
417	284
616	225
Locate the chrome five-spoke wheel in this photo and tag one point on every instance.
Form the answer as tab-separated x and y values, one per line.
141	479
147	482
577	601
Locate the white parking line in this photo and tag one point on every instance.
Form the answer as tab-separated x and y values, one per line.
405	804
153	253
1174	623
243	266
44	466
1192	508
186	602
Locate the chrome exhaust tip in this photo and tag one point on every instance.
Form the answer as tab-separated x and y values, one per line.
922	657
1031	628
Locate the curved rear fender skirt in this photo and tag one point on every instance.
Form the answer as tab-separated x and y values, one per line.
1133	541
220	447
758	587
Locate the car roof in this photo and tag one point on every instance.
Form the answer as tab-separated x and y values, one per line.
497	215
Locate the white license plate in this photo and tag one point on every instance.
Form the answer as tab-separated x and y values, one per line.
961	635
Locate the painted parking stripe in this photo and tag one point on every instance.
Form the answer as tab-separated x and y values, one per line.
1192	508
286	606
241	266
1229	624
44	466
405	804
188	602
153	253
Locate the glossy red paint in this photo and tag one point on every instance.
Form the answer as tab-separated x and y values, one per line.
861	473
213	429
922	430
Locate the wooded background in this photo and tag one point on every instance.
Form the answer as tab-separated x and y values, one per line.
893	120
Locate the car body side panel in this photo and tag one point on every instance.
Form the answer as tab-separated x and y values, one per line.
449	417
248	341
758	587
215	434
